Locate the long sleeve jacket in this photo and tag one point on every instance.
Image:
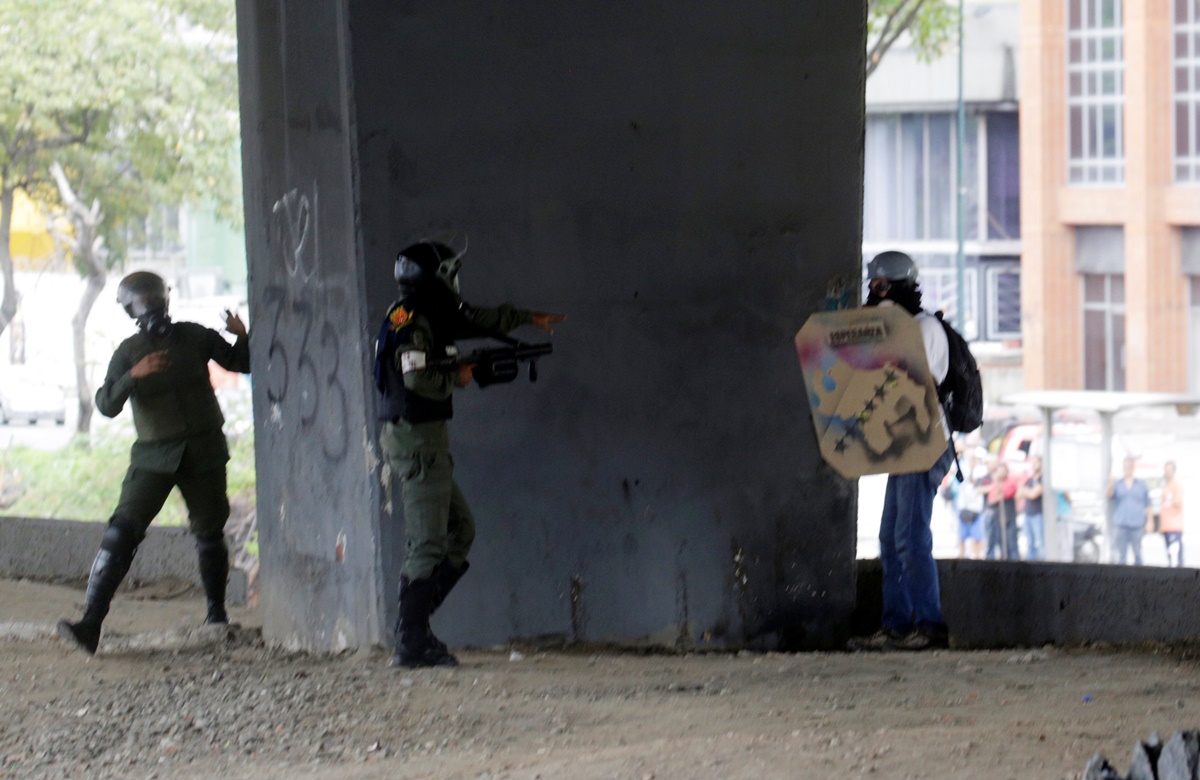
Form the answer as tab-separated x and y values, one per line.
175	410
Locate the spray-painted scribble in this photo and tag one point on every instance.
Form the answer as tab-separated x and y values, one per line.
294	231
304	351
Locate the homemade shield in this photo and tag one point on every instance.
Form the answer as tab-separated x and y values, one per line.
874	402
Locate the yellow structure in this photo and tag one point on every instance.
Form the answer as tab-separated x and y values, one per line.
30	244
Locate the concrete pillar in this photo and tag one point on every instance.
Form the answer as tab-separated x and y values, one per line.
318	494
684	182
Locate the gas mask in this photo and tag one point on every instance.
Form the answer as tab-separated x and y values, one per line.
448	273
426	263
156	323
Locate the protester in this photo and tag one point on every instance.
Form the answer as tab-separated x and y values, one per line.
912	609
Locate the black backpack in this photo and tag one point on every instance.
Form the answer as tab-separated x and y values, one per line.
961	392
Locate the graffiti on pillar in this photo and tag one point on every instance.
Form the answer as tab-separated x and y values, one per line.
305	349
294	228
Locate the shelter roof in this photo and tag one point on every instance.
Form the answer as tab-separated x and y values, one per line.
1103	401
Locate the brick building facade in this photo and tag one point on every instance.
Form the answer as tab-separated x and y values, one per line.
1110	202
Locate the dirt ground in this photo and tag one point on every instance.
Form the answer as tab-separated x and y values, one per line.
166	697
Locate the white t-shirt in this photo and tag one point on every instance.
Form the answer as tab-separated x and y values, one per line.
937	352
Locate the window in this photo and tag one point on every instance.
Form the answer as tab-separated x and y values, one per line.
910	204
1189	251
1103	331
1003	177
1194	334
1095	92
939	291
993	313
910	177
1003	299
1185	56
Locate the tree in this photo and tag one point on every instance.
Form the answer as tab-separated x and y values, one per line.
930	24
91	256
133	103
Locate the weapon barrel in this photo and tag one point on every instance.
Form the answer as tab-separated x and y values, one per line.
526	351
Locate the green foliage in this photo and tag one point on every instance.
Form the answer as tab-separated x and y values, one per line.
83	482
931	25
137	99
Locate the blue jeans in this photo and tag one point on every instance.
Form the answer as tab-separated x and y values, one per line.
1002	536
1174	542
1127	538
1035	530
910	580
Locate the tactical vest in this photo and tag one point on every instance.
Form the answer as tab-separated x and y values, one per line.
396	400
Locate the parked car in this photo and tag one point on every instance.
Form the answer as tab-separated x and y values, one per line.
28	396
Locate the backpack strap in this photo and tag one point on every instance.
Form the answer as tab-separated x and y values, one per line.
957	465
945	413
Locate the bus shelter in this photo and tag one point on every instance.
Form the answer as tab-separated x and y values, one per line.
1070	466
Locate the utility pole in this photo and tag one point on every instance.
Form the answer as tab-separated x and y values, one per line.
960	314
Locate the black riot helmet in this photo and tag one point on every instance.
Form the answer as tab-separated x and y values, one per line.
145	297
426	263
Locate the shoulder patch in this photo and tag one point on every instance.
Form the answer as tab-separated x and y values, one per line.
399	317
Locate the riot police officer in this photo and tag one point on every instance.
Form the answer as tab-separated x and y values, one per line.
162	370
419	331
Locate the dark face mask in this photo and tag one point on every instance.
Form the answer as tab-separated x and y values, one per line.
904	294
156	323
877	290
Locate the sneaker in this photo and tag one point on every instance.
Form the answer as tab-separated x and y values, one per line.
920	639
877	641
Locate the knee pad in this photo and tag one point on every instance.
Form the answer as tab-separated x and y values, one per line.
119	539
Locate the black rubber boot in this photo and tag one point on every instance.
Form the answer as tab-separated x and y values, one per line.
85	636
445	577
415	645
214	573
109	568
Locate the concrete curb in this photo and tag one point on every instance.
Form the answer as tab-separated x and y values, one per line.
990	604
57	550
179	638
27	632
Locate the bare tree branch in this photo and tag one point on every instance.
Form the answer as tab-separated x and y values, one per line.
906	11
